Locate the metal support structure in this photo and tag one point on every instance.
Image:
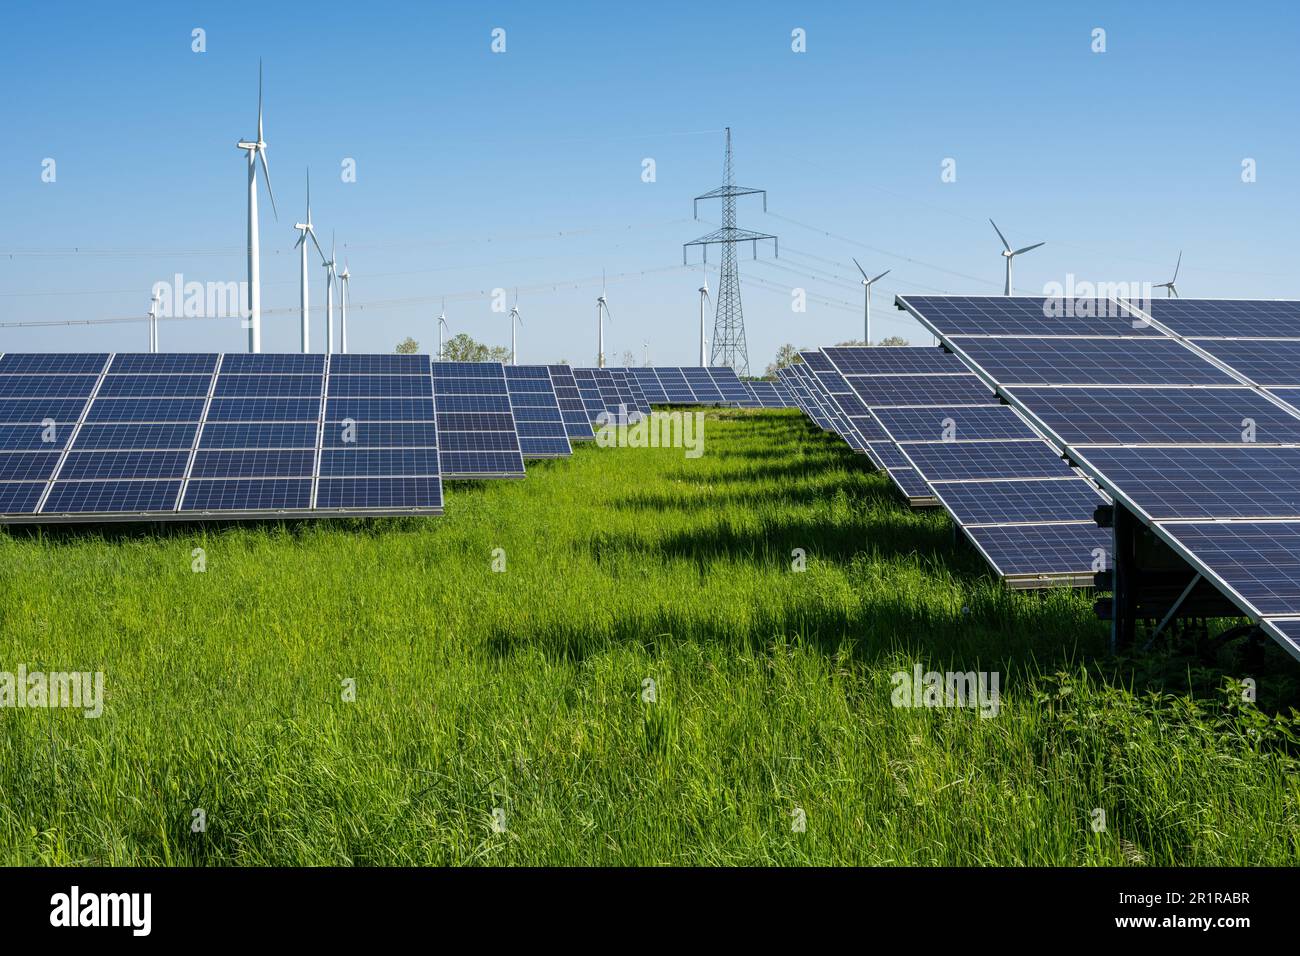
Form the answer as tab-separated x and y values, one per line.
729	344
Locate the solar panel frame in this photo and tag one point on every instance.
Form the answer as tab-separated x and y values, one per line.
476	380
538	419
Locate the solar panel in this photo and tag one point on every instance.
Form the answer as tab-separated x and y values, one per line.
590	393
577	424
1235	318
1258	561
953	422
962	315
770	394
1101	416
675	386
1264	362
1020	501
729	385
651	387
541	428
1064	361
630	391
902	390
154	442
477	433
1044	551
702	385
957	461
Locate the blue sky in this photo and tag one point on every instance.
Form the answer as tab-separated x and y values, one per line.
478	170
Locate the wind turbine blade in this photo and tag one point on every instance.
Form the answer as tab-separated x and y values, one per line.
1176	267
266	174
860	269
1027	248
259	99
314	240
1005	244
882	275
301	239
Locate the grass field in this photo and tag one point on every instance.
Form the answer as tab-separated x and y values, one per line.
523	690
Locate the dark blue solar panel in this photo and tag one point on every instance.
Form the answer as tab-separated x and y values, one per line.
1159	415
82	465
392	462
676	389
378	386
474	403
262	434
135	435
388	493
894	360
47	386
1028	315
379	409
651	387
1259	561
485	380
898	390
954	461
268	386
538	421
576	422
33	437
731	387
28	465
19	411
963	423
1026	502
701	383
154	386
1045	549
469	422
589	391
1205	482
1228	317
236	363
1264	363
20	497
380	365
481	464
53	363
259	463
247	494
478	441
910	483
145	410
111	497
1135	361
384	435
158	363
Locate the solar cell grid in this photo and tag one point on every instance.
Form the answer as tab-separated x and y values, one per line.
458	430
1019	502
1028	316
1237	318
963	423
576	423
1066	361
956	461
538	420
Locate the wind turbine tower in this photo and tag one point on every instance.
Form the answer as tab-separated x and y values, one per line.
306	229
704	298
442	327
343	308
602	313
1008	254
729	345
866	294
256	150
515	321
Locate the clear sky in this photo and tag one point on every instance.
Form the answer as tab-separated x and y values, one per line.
477	170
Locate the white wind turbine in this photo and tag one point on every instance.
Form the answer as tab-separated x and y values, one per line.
344	276
1008	254
329	294
1171	290
515	320
153	323
602	313
306	229
704	298
256	150
442	327
866	296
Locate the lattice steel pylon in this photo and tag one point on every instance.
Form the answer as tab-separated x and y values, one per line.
729	346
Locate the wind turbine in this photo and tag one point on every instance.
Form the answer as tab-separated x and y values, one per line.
343	308
1171	290
602	313
329	294
256	150
514	318
153	323
442	327
645	344
307	230
1009	254
866	296
704	298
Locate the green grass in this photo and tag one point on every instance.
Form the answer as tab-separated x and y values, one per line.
522	690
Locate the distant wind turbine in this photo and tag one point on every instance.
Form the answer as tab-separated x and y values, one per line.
602	313
153	323
866	296
1008	254
515	319
344	276
307	230
442	327
256	151
329	295
1171	290
704	298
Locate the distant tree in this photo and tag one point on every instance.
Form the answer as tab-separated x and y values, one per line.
461	348
894	340
408	346
785	355
628	359
849	343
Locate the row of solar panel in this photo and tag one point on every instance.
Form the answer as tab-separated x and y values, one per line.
1192	422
